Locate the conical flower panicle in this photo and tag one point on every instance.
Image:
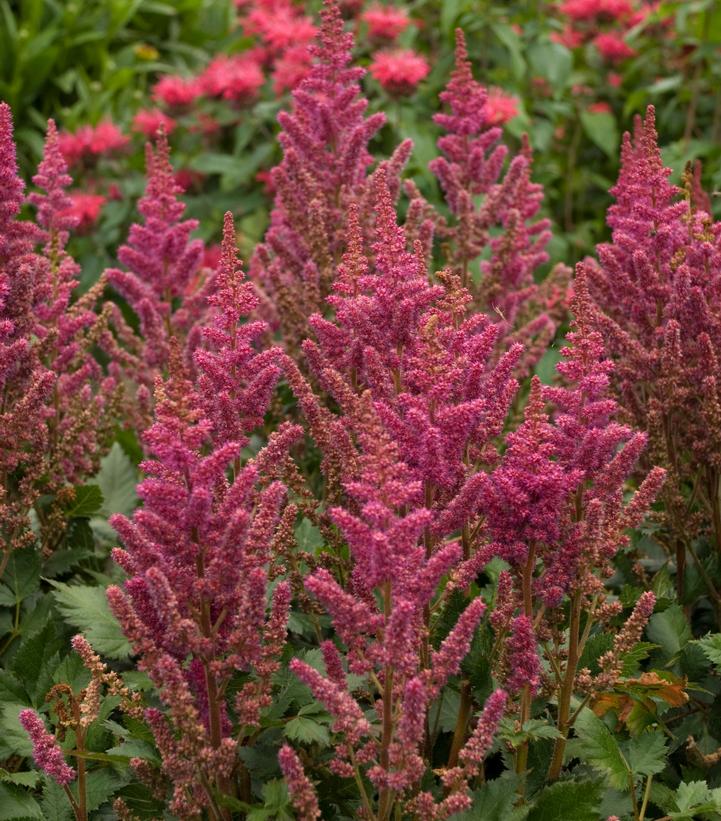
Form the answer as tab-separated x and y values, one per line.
234	379
161	258
656	300
195	605
324	168
470	167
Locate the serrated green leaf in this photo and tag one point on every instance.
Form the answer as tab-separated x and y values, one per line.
691	794
28	778
568	801
116	479
35	660
101	785
88	500
598	747
669	630
17	804
13	738
307	731
87	609
54	803
711	646
496	801
21	577
647	753
135	748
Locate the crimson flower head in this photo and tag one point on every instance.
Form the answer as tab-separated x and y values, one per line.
501	107
176	91
386	22
612	47
235	78
150	121
399	71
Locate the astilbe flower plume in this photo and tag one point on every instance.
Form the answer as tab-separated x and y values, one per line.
482	198
657	298
425	359
554	509
379	619
235	381
325	159
47	752
59	404
162	260
195	606
24	382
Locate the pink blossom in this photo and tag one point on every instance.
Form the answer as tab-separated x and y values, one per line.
149	121
46	751
613	47
302	794
107	137
176	91
569	37
291	68
589	9
500	107
600	107
84	209
91	140
280	26
386	22
400	71
235	78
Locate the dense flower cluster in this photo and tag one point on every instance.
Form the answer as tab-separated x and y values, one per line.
656	284
470	515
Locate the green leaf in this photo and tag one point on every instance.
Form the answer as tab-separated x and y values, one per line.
601	129
101	785
21	578
28	778
88	500
598	747
116	479
552	61
17	805
307	731
54	803
135	748
13	738
308	537
669	630
512	42
635	655
495	801
35	660
647	753
87	609
691	794
711	646
568	801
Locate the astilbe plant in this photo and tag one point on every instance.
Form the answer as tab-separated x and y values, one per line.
59	405
379	618
421	402
163	264
198	554
495	211
554	510
656	287
74	711
324	168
